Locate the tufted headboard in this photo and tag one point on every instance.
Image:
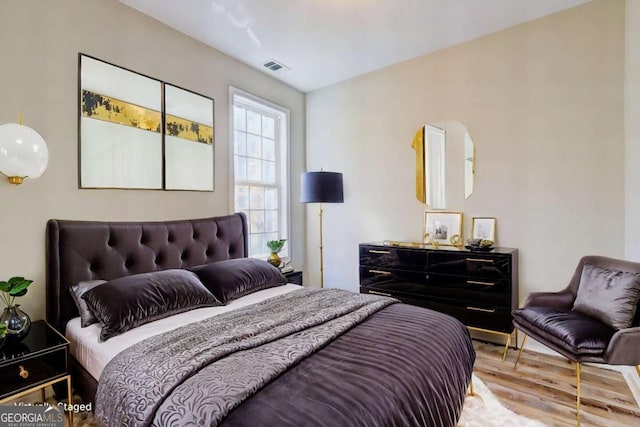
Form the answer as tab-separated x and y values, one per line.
89	250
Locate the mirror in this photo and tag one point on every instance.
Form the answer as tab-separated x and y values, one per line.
445	163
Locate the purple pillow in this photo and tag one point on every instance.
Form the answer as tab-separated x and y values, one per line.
86	315
233	278
128	302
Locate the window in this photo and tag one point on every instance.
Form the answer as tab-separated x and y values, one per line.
260	169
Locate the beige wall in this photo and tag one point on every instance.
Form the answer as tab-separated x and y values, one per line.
632	129
39	45
543	102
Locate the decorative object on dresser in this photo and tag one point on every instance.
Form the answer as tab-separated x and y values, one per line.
480	290
443	228
18	322
39	361
321	187
23	152
275	246
483	228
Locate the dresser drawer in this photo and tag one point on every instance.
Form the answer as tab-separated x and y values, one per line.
475	315
470	264
422	285
28	372
472	284
393	258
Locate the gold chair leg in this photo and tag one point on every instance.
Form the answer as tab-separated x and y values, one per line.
577	393
638	369
506	347
524	341
516	330
471	390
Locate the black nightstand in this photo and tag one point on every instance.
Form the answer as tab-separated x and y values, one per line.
38	361
294	277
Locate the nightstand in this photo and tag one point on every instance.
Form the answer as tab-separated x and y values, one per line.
38	361
294	277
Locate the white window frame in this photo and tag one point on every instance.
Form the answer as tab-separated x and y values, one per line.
282	157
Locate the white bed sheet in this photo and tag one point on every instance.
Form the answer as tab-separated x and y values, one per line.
94	355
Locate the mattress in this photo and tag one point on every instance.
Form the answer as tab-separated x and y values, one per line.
94	355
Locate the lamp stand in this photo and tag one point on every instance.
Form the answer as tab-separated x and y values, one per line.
321	254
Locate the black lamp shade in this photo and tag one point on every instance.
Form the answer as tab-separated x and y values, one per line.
321	187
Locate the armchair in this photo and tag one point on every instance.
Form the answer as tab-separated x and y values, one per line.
611	335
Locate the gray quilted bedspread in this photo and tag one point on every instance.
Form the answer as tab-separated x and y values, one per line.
203	370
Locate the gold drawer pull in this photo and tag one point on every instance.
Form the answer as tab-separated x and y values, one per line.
374	251
23	372
385	273
490	261
475	282
380	293
493	310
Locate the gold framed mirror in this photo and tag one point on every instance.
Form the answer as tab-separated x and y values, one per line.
445	163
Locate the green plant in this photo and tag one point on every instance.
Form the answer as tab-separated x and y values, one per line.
275	246
12	288
3	329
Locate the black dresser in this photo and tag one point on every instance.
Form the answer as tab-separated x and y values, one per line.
478	288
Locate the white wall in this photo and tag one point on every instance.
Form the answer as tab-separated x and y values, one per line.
543	102
632	129
39	45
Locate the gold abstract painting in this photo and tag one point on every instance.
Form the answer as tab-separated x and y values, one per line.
108	109
187	129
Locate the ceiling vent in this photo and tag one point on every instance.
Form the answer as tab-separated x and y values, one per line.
275	66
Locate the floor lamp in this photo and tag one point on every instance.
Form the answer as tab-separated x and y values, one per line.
321	187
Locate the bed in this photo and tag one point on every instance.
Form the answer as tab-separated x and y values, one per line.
377	362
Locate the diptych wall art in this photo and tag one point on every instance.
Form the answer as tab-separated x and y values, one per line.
136	132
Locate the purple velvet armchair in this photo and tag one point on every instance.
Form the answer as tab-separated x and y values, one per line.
558	319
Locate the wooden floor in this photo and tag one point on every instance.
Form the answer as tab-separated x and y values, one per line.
543	387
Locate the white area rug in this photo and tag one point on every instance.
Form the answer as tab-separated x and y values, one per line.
485	410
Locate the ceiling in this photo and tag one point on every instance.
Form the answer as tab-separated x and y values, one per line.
327	41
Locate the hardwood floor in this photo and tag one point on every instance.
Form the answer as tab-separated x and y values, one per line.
543	387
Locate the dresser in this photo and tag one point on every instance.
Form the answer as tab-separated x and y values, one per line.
478	288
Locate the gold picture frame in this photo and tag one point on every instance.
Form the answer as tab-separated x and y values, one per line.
483	227
443	228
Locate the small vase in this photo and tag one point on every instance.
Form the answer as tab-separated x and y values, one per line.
18	323
274	259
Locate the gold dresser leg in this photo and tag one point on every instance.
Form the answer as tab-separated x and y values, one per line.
638	369
70	400
524	341
577	393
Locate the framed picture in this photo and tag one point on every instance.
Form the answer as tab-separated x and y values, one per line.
444	228
188	149
483	228
137	132
120	127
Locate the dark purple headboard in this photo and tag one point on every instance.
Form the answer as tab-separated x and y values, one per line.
89	250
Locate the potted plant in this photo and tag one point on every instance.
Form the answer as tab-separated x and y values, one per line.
275	246
16	321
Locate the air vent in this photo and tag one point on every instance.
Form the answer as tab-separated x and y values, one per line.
275	66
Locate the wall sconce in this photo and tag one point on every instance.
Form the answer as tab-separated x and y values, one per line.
23	152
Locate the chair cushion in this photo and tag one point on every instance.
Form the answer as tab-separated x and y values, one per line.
610	296
577	333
